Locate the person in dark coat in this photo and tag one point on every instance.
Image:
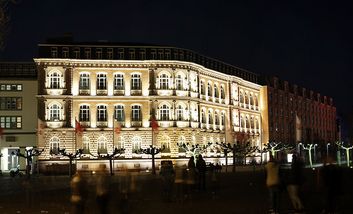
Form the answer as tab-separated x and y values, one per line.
201	168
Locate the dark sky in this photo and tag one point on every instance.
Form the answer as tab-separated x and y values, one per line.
306	42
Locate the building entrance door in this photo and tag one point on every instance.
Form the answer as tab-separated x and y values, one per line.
12	159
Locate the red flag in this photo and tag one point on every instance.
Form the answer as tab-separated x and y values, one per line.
78	127
117	127
154	124
1	132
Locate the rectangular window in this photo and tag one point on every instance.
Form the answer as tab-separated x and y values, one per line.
10	103
54	52
118	82
136	113
99	53
77	53
65	52
84	81
153	54
12	87
142	54
132	54
10	122
88	53
101	82
135	82
121	53
110	53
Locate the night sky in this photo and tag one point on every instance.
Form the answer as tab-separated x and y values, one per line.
305	42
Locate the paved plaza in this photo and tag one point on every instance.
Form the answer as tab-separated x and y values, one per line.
241	192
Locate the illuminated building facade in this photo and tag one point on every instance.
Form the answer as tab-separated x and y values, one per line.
296	114
18	115
194	99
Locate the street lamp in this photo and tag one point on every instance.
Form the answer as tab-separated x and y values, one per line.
327	145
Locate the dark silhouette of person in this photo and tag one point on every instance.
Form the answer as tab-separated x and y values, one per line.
201	168
190	177
79	193
273	184
102	190
331	176
294	181
167	174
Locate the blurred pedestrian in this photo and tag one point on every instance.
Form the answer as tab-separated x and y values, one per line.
273	184
179	181
331	177
102	189
167	174
201	169
78	193
294	181
190	177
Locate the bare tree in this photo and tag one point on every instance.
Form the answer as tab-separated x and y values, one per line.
116	153
28	155
152	150
347	148
71	157
194	150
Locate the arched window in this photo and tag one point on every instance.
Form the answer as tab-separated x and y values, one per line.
216	117
102	113
242	121
181	141
223	119
241	97
223	96
54	145
119	113
135	82
251	100
180	113
203	116
85	144
84	81
165	143
247	122
202	86
164	113
246	98
54	112
136	143
256	103
118	82
101	81
257	124
84	113
164	82
121	142
102	145
136	113
209	89
216	93
210	117
179	82
54	80
252	124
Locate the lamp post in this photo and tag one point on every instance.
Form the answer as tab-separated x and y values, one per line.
327	145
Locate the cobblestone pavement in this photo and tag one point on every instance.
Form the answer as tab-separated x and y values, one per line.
241	192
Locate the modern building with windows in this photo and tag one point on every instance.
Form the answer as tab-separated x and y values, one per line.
18	114
195	100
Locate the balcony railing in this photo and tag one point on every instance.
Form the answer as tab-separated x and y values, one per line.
84	92
136	92
102	124
119	92
102	92
136	123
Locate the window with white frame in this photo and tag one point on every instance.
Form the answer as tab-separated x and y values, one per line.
223	119
121	142
84	113
180	113
209	89
102	145
136	143
216	93
84	81
136	113
119	113
203	116
241	97
179	82
54	112
54	80
85	144
202	86
54	145
223	96
210	117
164	113
164	82
181	141
135	82
216	117
118	82
101	81
102	113
10	122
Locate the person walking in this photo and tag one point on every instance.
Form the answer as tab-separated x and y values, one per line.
79	193
201	168
295	180
179	182
190	177
273	184
102	189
